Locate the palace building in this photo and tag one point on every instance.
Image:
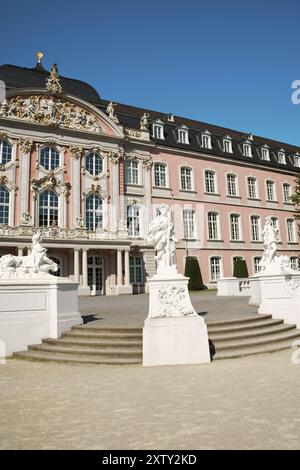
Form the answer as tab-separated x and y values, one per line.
91	174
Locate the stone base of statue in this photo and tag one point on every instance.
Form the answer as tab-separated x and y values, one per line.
37	307
280	297
173	333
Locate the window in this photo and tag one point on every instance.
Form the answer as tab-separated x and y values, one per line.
136	270
56	260
247	152
4	205
188	224
231	185
94	164
132	171
297	161
48	209
227	145
256	263
49	158
235	259
160	179
213	226
290	223
5	152
186	178
133	221
275	224
252	187
183	136
210	183
206	140
287	192
93	212
255	228
265	154
281	157
157	131
215	268
295	262
270	185
235	227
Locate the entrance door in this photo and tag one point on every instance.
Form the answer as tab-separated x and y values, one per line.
96	275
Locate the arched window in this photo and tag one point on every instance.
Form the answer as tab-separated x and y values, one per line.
56	260
93	212
5	152
48	209
94	163
133	221
210	181
231	185
49	158
186	178
252	187
4	205
215	268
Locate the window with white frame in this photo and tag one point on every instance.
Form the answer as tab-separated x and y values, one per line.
160	175
265	153
94	163
48	209
215	268
287	192
291	234
132	172
49	158
231	185
188	224
4	205
186	178
157	130
227	145
5	152
252	187
270	186
295	262
136	270
297	161
213	226
133	221
256	264
210	181
206	140
235	228
281	157
93	212
247	152
255	228
182	136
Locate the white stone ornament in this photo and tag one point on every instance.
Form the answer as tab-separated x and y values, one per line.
173	332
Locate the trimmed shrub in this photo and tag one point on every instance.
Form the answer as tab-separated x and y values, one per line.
192	270
240	268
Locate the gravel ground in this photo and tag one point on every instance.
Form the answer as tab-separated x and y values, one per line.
247	403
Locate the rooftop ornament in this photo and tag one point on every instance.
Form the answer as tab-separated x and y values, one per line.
53	82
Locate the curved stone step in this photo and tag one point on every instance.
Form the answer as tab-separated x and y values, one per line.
243	326
266	349
104	336
264	340
108	329
250	333
75	359
91	343
253	318
110	353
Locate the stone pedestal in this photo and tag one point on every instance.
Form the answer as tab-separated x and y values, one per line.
233	286
33	309
280	297
173	333
255	291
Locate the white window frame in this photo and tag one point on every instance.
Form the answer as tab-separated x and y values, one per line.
12	151
166	174
132	175
183	135
134	230
256	266
220	267
239	227
216	226
291	230
265	153
227	144
7	204
101	212
281	157
189	224
45	190
133	267
181	178
215	181
297	161
158	130
229	185
287	200
258	226
256	196
274	191
94	154
247	150
54	147
206	140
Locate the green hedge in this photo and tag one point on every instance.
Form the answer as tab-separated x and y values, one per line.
240	268
192	270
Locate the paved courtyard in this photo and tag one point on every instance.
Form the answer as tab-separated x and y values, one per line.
133	309
249	403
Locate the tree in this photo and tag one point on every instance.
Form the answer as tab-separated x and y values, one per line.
295	198
240	268
192	270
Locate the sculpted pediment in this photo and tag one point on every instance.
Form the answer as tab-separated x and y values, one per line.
58	111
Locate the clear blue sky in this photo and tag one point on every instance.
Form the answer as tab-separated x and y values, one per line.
229	62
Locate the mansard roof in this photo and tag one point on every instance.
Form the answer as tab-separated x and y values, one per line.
22	77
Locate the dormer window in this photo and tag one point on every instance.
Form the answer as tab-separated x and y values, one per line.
182	135
206	140
247	152
281	157
297	160
265	154
158	130
227	144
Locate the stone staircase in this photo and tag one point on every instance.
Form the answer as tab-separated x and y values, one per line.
112	345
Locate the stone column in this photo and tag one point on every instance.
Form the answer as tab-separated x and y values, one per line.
147	200
24	189
76	193
115	196
119	269
84	288
76	265
127	275
126	288
20	251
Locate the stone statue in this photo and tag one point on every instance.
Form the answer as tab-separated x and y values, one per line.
110	110
162	236
144	122
53	82
36	262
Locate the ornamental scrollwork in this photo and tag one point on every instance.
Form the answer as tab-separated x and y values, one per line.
53	82
25	145
76	151
147	163
114	157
